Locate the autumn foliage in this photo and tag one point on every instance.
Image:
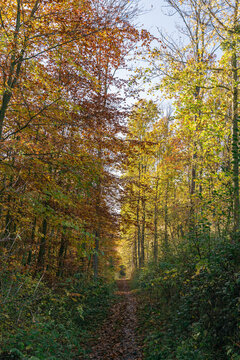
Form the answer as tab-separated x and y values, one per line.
60	120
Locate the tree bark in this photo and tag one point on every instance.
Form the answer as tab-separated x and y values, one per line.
166	245
42	248
235	140
61	255
95	255
155	244
29	259
143	231
135	250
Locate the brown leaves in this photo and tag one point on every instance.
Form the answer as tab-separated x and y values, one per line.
117	339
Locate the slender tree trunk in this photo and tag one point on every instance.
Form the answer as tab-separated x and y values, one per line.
1	197
143	231
62	254
166	245
42	248
29	259
192	193
155	244
138	233
8	220
82	261
192	225
135	250
95	255
235	150
5	101
50	255
98	225
138	220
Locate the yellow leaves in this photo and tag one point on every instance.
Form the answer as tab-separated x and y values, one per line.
201	265
6	316
170	274
75	296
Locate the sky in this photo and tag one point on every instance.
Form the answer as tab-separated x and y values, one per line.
156	16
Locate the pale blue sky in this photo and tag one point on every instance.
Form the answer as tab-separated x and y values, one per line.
156	17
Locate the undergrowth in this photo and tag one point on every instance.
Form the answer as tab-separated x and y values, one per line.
190	307
41	323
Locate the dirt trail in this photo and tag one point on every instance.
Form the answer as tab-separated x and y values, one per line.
117	339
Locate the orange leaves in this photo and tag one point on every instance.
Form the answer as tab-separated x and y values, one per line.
60	126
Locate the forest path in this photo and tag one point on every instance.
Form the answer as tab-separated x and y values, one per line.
117	339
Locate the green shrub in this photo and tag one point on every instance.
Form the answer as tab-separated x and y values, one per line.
46	324
192	307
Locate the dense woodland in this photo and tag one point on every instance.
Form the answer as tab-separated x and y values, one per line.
99	181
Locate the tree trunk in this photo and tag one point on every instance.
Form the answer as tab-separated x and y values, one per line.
95	255
155	244
166	245
135	250
29	259
98	226
138	234
138	220
9	219
42	249
61	255
143	231
235	150
192	193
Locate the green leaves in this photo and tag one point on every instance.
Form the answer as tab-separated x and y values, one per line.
196	315
44	324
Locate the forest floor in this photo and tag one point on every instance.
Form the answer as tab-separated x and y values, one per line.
117	339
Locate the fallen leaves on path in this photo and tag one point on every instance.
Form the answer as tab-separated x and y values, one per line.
117	339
